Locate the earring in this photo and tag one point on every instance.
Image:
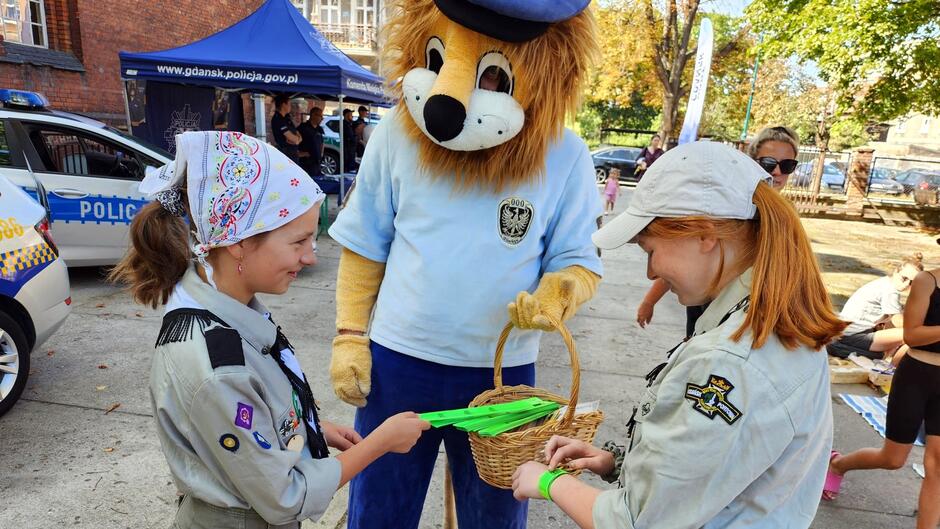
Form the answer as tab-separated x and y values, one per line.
240	268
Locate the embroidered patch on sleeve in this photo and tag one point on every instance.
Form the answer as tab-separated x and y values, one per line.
229	442
712	399
243	416
262	442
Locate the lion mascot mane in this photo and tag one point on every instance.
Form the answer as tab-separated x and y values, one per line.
473	205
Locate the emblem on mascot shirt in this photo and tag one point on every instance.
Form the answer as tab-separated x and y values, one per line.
515	217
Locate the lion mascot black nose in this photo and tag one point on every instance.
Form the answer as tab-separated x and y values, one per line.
444	117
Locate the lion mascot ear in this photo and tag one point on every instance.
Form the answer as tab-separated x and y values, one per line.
485	85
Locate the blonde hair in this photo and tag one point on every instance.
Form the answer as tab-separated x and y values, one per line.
916	260
776	133
788	297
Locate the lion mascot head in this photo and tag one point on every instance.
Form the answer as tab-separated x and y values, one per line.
484	85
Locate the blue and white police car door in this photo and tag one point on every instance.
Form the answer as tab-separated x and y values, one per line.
91	183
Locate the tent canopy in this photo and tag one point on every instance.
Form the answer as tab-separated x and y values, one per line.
274	49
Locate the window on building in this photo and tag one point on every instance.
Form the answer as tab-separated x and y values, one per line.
23	22
329	12
925	126
365	12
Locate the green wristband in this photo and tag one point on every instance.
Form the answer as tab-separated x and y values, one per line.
545	482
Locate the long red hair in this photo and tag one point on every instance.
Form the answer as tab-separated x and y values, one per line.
788	297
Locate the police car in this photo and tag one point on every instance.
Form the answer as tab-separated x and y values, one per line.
90	172
331	125
34	287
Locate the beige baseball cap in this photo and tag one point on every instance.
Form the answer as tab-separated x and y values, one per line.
699	178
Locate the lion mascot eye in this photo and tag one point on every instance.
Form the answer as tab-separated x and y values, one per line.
434	54
495	73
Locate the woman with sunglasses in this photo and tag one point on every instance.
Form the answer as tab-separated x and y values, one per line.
914	404
776	149
874	312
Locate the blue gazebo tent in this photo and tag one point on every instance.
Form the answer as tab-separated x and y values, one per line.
274	49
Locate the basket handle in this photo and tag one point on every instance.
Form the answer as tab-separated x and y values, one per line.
572	352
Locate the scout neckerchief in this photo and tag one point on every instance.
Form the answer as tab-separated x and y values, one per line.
653	375
308	406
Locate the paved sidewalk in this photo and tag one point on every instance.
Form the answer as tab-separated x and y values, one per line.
68	463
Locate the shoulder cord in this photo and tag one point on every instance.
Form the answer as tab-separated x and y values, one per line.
308	405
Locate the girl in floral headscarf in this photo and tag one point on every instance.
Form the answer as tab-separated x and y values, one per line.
235	415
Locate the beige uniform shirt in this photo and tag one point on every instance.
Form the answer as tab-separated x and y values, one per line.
226	413
727	435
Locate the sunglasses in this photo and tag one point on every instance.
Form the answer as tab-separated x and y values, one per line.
769	164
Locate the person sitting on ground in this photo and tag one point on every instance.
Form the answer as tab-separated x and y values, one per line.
874	310
914	402
776	149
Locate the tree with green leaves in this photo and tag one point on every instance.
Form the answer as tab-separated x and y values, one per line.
881	57
646	50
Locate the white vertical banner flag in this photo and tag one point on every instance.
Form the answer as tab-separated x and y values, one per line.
703	65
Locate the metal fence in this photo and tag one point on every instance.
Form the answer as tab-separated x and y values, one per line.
908	180
835	167
350	35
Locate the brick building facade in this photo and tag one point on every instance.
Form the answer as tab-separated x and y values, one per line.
78	69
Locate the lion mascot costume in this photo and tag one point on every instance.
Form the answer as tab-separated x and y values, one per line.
471	198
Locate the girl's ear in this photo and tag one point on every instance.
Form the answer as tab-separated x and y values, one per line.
708	243
237	250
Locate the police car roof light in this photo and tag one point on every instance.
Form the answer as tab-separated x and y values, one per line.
22	99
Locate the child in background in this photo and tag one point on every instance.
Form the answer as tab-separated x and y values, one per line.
611	190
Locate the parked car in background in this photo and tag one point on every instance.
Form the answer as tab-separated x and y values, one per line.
912	179
90	173
623	158
34	286
886	186
833	179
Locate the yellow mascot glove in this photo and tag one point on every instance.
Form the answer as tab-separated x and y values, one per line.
357	287
557	297
351	368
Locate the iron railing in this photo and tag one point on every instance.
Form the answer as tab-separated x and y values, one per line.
359	36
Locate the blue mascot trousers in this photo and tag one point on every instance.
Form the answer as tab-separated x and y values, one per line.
390	492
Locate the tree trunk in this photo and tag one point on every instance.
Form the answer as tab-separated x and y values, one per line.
670	115
670	56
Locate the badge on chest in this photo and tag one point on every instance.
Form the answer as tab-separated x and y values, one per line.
515	217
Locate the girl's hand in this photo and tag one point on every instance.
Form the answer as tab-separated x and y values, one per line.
339	437
525	481
399	433
578	455
644	314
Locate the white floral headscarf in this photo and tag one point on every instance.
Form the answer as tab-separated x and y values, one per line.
236	186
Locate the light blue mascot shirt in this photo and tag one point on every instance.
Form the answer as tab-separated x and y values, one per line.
455	259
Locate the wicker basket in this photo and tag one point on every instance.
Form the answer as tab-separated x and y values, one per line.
498	457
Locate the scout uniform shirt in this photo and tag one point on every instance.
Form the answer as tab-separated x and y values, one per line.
454	259
726	435
227	415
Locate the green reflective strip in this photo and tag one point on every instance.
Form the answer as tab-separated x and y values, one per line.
443	418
